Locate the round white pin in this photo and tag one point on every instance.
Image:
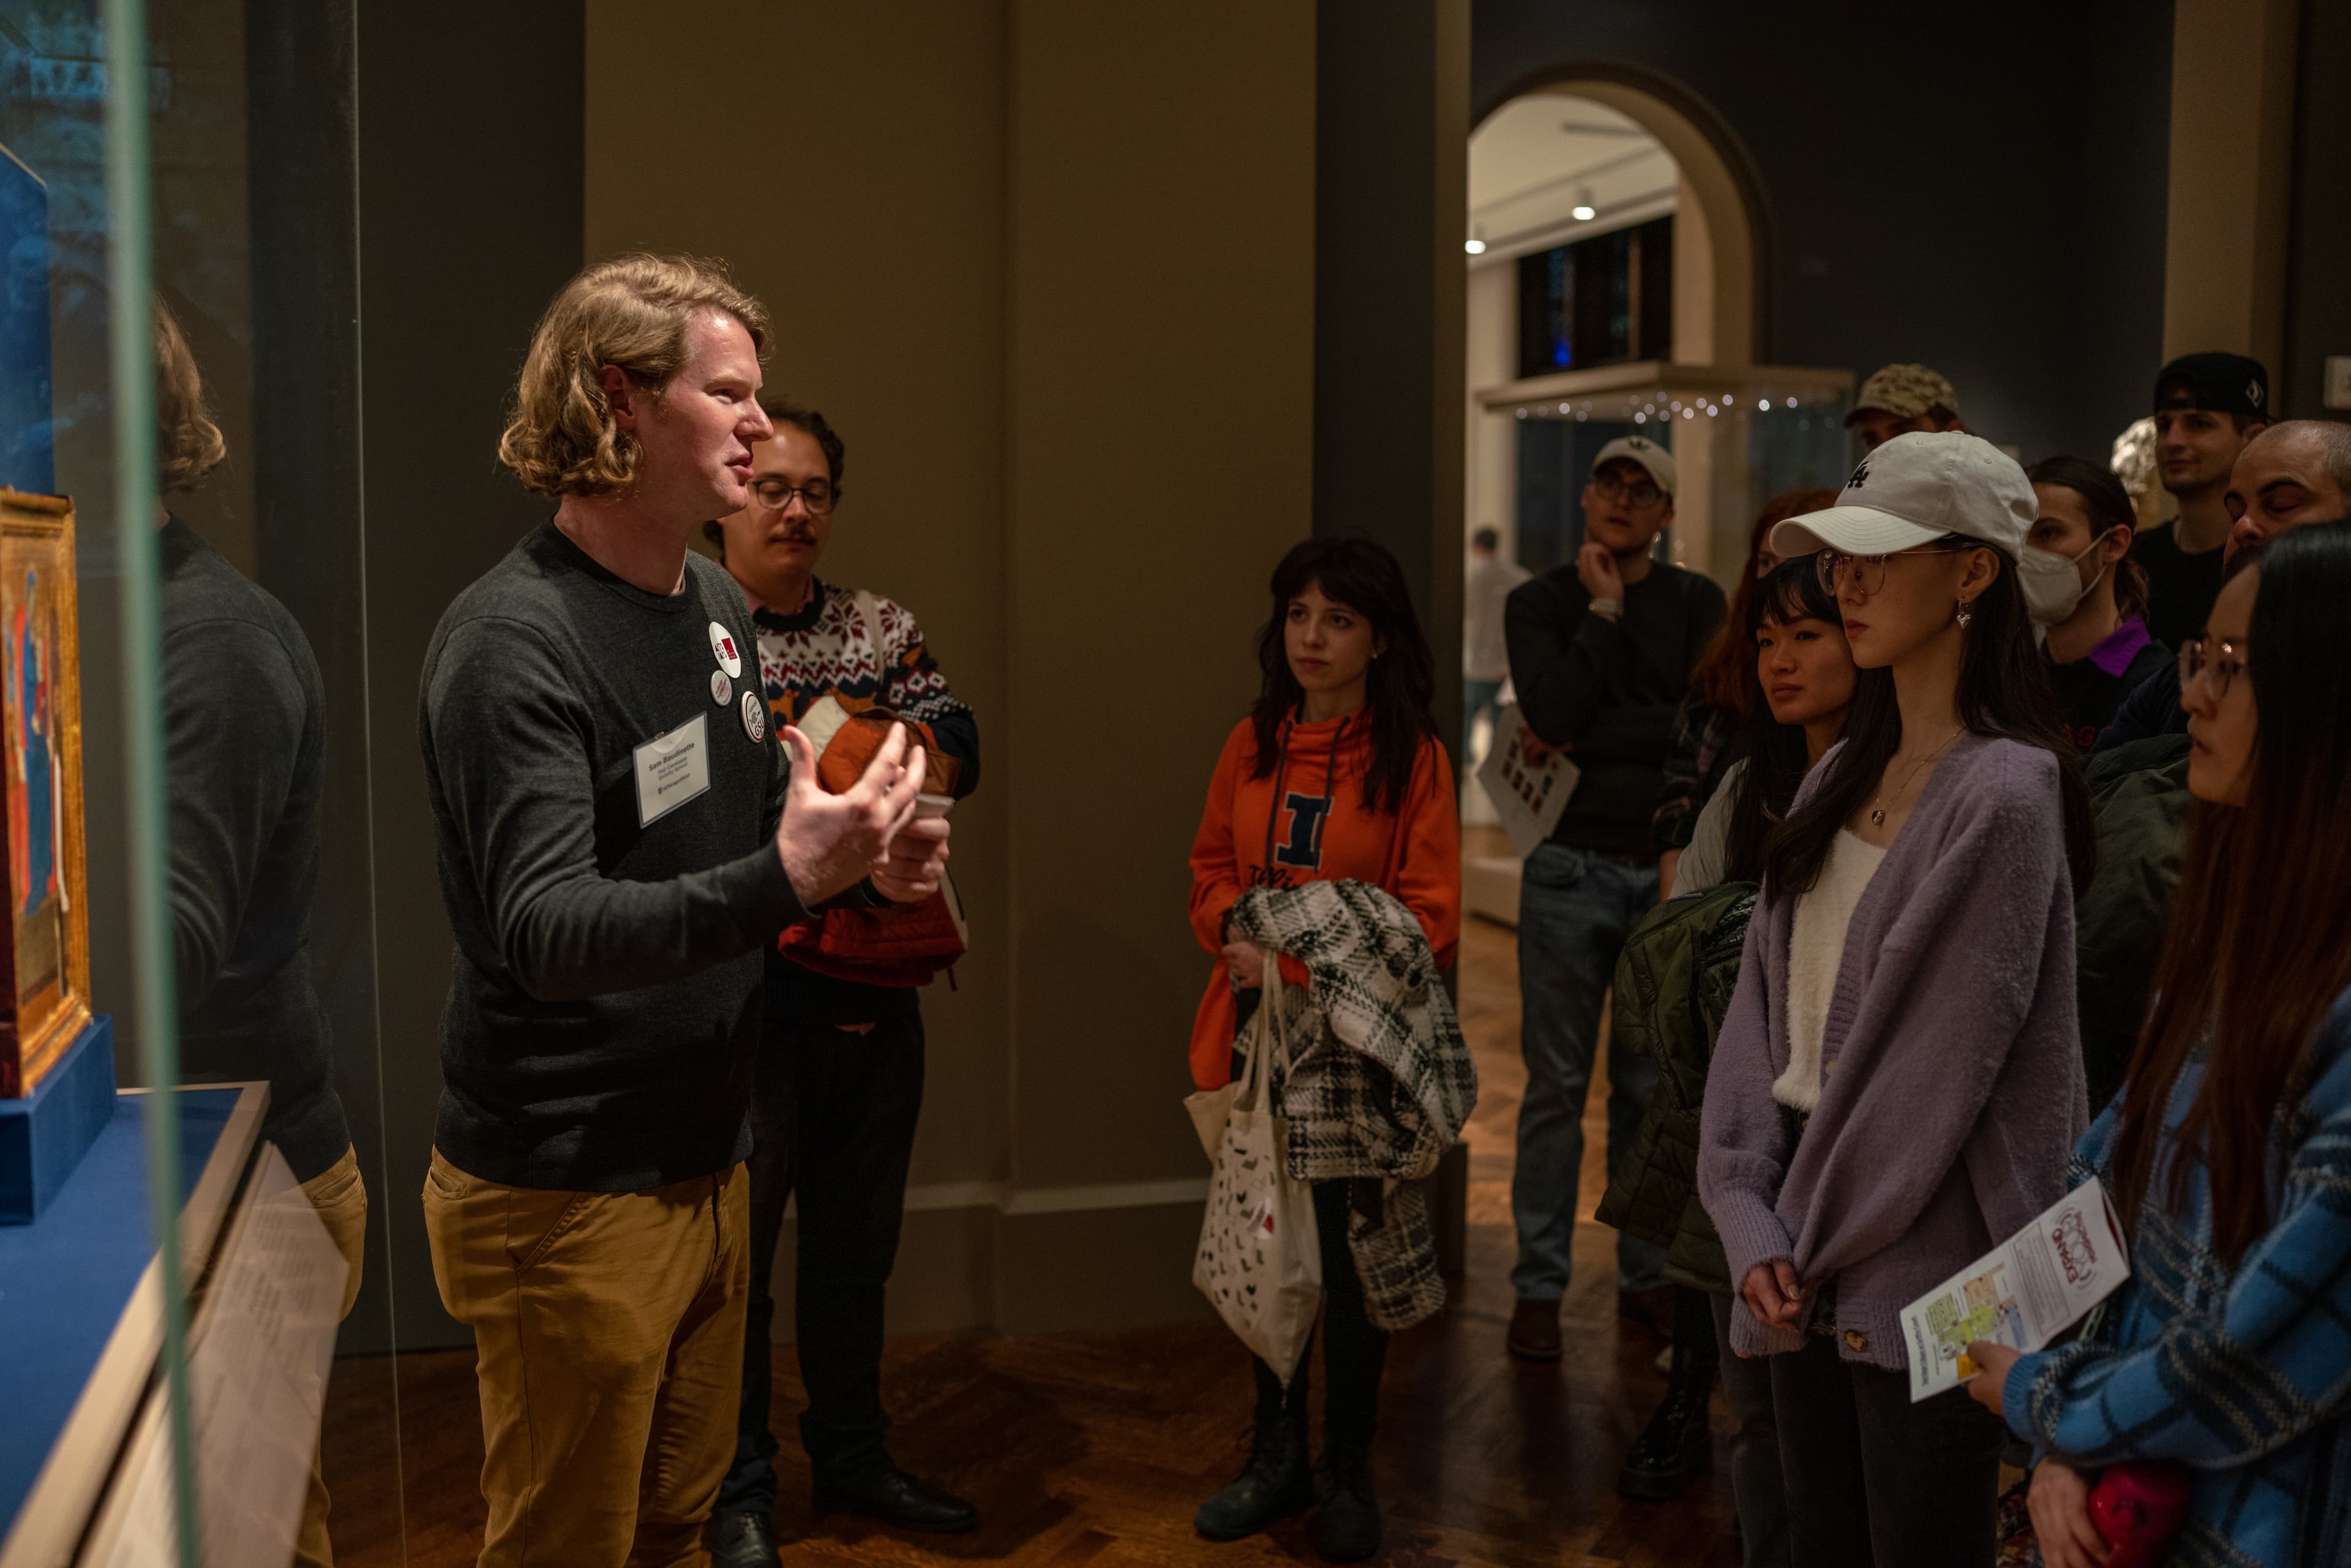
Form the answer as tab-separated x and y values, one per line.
722	648
722	690
754	716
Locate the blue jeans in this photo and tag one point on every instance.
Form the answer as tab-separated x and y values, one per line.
1476	697
1575	909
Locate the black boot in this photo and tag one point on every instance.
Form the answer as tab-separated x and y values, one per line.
1346	1527
1276	1481
1677	1444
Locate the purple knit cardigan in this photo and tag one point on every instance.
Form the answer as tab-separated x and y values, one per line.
1952	1056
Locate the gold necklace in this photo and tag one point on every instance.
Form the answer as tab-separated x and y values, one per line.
1877	809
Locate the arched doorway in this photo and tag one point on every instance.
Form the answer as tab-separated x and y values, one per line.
1560	167
1617	260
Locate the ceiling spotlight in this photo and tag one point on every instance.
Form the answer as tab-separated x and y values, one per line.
1474	246
1523	414
1562	408
1792	403
1640	418
1763	405
1583	212
1711	410
1689	414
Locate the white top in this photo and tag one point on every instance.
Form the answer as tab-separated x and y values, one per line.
1815	953
1485	583
1701	865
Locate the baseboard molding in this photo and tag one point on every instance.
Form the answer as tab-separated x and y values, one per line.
1024	1261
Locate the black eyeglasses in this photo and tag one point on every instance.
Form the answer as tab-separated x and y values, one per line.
2221	658
1640	492
775	495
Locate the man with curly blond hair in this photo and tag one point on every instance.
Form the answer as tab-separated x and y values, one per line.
621	838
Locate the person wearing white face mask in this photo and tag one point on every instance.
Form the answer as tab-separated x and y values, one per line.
2081	586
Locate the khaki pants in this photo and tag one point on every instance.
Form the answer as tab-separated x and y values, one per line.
607	1336
341	1200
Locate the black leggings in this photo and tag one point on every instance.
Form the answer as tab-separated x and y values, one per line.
1353	1352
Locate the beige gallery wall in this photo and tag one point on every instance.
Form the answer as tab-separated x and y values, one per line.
1049	268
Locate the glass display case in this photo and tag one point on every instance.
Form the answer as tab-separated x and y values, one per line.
189	1127
1738	437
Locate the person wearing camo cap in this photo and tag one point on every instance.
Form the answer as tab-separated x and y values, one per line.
1900	399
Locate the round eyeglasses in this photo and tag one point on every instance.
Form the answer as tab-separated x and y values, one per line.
818	496
1640	492
2219	659
1868	572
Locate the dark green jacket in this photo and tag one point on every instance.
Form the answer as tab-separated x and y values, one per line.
2138	792
1673	987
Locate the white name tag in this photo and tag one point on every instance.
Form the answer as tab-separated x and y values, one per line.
672	769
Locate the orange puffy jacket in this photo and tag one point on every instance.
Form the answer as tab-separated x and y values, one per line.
1317	832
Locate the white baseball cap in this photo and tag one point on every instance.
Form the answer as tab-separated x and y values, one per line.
1913	490
1639	449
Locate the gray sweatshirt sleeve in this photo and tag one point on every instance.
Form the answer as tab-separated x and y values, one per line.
233	718
508	740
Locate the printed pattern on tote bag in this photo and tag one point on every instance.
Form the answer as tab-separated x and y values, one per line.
1259	1261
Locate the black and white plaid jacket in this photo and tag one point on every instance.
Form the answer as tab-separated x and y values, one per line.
1384	1084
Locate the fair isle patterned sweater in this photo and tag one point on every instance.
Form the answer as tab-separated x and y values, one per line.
823	651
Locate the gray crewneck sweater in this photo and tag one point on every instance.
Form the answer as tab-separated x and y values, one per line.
604	1010
1953	1089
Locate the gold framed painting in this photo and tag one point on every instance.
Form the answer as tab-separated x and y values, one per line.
48	928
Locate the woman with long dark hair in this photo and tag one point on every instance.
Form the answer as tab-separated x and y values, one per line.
1336	775
2228	1154
2080	583
1799	679
1707	724
1899	1077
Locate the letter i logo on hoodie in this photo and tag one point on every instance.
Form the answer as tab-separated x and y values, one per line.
1303	849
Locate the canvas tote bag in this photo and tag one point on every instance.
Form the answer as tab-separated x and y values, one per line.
1260	1258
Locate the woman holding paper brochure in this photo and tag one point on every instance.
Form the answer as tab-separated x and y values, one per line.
1899	1077
2228	1352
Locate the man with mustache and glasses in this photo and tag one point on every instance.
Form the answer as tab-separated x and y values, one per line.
840	1083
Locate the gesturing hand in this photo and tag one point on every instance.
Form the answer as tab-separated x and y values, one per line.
829	843
1774	1293
2059	1503
1597	569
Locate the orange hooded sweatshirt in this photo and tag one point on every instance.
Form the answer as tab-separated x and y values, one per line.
1318	833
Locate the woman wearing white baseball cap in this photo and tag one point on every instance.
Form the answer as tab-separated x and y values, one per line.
1899	1080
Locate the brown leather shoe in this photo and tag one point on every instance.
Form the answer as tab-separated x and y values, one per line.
1535	1329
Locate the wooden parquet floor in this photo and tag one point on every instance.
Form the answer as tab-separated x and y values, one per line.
1095	1449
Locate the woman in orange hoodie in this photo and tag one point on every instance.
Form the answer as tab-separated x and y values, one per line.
1337	774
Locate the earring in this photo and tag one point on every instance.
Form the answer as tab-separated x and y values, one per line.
1966	615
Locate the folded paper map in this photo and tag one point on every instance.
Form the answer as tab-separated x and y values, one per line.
2022	1293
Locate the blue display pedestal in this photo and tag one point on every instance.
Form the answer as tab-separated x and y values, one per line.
44	1135
80	1345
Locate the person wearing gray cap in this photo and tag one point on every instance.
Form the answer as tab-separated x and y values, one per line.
1601	654
2208	409
1899	1080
